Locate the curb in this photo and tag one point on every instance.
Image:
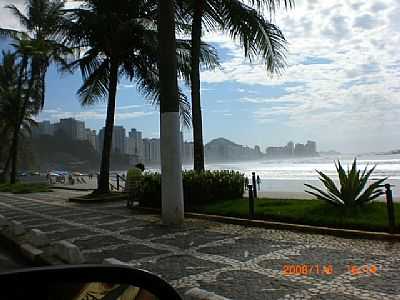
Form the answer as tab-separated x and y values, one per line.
23	243
70	189
99	200
199	294
346	233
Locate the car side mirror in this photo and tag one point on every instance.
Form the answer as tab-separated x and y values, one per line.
81	282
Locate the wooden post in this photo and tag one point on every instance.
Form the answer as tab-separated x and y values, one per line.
251	201
390	208
253	176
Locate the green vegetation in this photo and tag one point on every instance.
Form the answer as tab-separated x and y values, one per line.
24	188
198	188
352	187
373	216
120	40
35	48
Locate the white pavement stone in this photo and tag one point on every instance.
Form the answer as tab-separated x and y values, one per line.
114	261
68	252
31	251
199	294
38	238
17	228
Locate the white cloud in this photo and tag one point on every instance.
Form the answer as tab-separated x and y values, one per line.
92	115
357	89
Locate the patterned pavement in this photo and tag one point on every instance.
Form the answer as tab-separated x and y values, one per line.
233	261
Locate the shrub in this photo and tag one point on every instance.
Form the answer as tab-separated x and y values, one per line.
134	185
352	191
198	188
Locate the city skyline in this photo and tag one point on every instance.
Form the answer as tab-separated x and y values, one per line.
340	87
133	143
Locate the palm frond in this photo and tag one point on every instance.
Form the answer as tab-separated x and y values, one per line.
258	37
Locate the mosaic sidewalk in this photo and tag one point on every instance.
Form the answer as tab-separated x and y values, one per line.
232	261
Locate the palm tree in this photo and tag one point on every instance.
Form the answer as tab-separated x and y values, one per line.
257	35
171	164
37	48
15	111
119	39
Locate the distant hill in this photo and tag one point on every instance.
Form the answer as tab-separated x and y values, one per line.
222	149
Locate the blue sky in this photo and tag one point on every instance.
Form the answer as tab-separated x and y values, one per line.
341	87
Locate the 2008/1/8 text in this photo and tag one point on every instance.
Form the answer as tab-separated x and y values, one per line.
307	269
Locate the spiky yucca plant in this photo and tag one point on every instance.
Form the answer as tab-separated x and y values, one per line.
352	190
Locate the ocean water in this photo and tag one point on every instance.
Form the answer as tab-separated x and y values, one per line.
290	175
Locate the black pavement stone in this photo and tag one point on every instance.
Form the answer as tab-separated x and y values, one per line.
124	253
319	259
178	266
98	242
10	213
102	220
57	236
247	248
154	230
385	281
38	221
126	225
331	296
57	226
26	217
256	287
72	215
193	239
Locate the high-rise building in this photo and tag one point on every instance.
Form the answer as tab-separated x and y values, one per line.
290	148
74	129
42	128
135	144
91	137
311	147
299	149
152	150
118	140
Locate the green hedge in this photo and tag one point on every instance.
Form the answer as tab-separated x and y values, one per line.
198	188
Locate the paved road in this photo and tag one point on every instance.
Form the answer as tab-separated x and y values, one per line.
233	261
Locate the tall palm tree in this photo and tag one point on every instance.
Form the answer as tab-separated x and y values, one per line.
15	111
242	22
171	164
119	39
37	48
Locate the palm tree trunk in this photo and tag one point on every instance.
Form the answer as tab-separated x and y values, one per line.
171	162
3	175
14	157
103	185
19	118
195	85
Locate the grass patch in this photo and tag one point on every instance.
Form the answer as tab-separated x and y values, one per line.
24	188
373	216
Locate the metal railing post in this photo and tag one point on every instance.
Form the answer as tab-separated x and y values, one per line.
251	202
390	208
117	182
253	177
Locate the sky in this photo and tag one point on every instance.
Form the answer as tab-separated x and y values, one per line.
341	87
